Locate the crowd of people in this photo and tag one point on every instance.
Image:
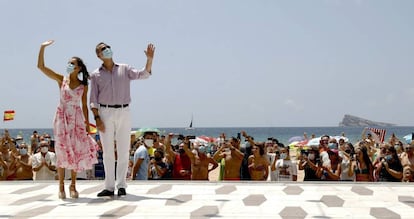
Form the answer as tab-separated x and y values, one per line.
177	157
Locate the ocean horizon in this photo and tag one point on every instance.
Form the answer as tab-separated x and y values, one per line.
283	134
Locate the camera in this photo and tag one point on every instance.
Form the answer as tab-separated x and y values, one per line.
180	137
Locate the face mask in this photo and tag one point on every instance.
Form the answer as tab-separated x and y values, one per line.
283	156
202	149
181	151
149	142
397	147
348	151
332	146
131	157
44	149
23	151
311	156
107	53
70	68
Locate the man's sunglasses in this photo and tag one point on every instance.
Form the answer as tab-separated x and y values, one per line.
103	48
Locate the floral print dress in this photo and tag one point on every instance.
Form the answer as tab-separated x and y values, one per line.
74	148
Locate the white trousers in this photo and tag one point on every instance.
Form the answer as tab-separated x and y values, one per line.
117	129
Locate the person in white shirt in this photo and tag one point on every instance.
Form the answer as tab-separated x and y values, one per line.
44	163
285	168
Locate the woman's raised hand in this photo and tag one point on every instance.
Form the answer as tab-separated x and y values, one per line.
47	43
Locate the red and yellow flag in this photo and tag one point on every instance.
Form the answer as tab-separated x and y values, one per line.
92	128
8	115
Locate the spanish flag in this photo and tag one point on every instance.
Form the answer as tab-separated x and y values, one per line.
8	115
92	128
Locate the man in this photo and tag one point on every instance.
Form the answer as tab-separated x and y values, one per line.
199	162
109	100
181	163
142	159
44	163
230	155
22	165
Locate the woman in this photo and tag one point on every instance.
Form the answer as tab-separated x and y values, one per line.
390	168
362	166
347	156
310	164
333	171
285	168
157	168
75	149
258	163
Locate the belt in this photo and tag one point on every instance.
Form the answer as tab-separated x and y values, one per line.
114	106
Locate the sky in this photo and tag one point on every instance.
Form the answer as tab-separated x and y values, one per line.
231	63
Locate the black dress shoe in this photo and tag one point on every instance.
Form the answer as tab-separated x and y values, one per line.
105	192
121	192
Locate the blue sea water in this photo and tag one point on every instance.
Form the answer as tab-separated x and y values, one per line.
259	133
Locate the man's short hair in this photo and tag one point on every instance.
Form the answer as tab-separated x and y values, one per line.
97	47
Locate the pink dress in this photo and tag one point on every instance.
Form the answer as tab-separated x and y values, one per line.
74	148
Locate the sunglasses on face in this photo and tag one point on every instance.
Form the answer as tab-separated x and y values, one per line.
103	48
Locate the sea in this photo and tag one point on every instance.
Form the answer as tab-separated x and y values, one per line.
282	134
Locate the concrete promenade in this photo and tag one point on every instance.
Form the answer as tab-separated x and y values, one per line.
190	199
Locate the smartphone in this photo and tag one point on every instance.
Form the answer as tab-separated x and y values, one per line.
238	136
191	137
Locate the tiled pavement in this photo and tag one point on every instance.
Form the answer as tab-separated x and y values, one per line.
179	199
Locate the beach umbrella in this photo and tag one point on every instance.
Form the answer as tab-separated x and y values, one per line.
408	138
141	131
199	141
293	144
206	138
295	138
302	143
340	137
314	141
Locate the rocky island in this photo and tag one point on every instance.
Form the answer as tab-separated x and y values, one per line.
354	121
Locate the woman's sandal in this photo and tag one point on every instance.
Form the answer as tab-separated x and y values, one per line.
62	193
73	192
